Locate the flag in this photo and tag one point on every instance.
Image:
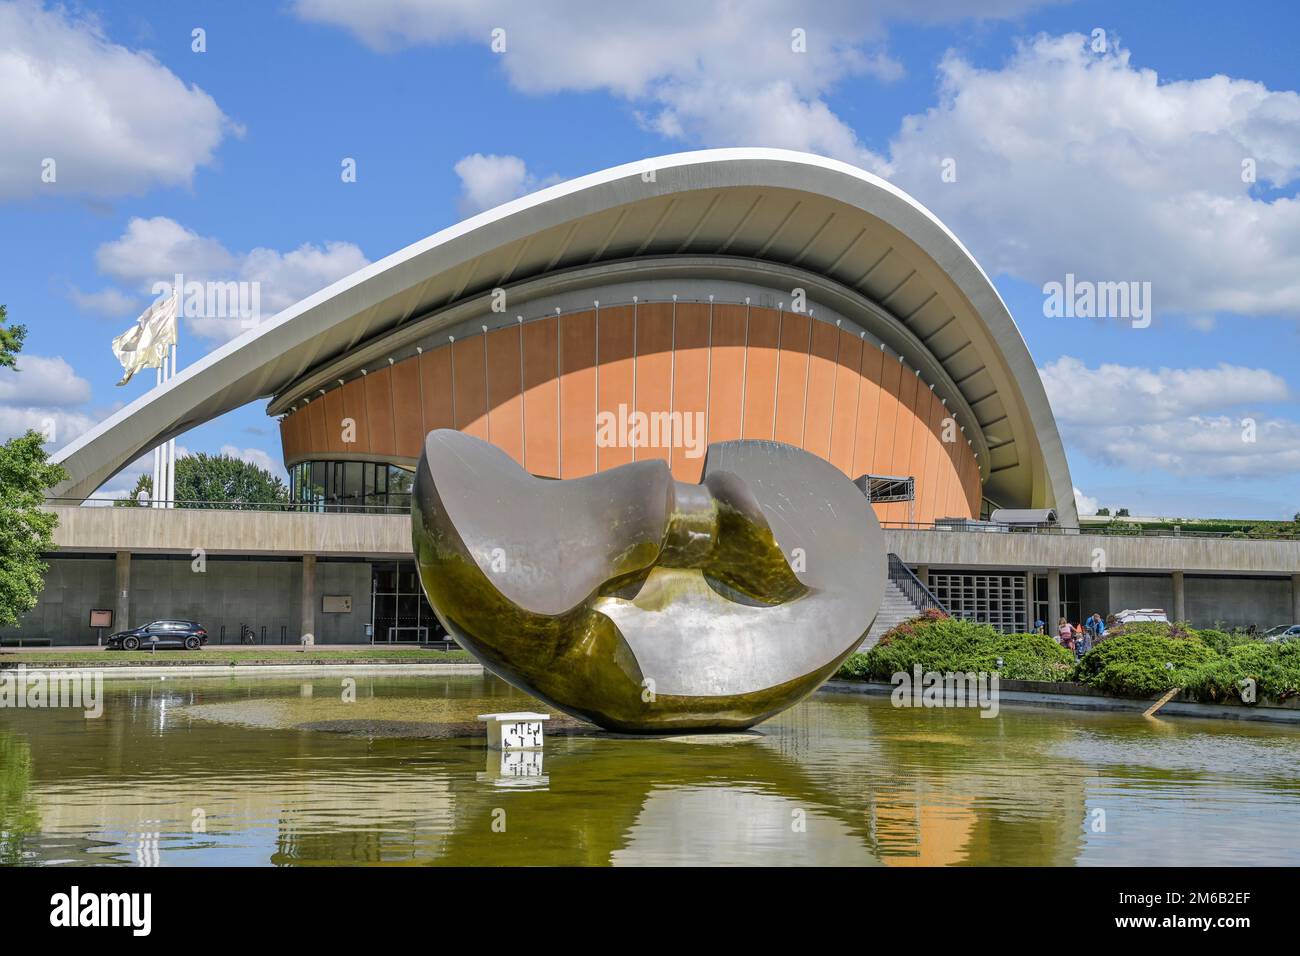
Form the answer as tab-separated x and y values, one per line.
145	344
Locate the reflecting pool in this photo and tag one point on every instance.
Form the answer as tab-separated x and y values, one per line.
257	770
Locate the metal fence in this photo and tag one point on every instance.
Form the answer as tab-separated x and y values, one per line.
942	525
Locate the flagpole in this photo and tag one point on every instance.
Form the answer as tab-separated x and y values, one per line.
156	492
171	442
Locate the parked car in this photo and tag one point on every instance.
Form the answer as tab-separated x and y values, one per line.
1141	614
1283	633
164	635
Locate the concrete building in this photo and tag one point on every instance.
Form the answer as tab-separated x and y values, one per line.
643	311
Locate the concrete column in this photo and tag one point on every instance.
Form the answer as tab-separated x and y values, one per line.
923	574
122	592
1295	599
1053	599
1029	602
1180	598
309	598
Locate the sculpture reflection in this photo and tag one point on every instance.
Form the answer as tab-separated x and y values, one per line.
645	604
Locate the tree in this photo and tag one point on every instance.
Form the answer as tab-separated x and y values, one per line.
26	531
1103	512
1122	513
205	480
11	341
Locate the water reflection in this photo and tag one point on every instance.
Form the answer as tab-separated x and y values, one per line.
258	771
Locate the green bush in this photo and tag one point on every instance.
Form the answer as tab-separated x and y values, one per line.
1134	662
948	644
1275	669
1223	641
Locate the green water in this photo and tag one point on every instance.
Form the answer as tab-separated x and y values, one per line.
254	771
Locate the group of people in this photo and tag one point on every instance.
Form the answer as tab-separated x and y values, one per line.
1078	638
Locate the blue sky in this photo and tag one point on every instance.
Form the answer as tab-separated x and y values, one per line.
1118	162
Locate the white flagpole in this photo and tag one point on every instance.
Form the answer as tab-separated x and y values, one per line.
156	493
171	442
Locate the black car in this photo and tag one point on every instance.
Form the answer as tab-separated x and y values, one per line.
164	635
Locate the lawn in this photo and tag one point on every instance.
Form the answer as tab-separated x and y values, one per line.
243	656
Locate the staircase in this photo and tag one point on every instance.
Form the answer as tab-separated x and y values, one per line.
905	597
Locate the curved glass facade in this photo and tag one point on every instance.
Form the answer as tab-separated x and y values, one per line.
350	486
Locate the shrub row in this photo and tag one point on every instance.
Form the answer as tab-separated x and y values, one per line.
1136	660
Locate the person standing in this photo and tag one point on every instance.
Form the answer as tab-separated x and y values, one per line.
1065	634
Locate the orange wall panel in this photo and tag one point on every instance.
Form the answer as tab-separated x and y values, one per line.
542	397
615	380
691	386
653	385
333	421
727	373
505	403
469	386
578	395
818	415
377	388
866	430
759	419
408	410
792	378
354	408
848	385
435	389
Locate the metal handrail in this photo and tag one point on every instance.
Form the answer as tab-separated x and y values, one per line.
987	527
912	586
990	527
296	507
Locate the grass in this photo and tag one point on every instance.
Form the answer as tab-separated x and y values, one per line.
232	655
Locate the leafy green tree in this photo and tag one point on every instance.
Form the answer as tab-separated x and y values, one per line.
11	341
26	531
204	480
1103	512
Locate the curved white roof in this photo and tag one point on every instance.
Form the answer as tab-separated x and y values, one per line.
791	209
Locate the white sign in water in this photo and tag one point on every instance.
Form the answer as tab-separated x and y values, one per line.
515	731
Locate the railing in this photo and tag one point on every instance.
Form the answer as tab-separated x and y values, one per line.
291	507
945	526
912	586
990	527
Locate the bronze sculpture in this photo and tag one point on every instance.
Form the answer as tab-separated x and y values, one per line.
645	604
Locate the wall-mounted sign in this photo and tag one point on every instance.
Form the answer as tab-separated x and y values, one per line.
337	604
101	617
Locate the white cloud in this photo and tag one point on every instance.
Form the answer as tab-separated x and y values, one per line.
42	395
114	120
255	456
61	424
1086	505
714	73
487	181
42	380
1070	161
157	248
154	250
1112	394
1188	422
109	302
